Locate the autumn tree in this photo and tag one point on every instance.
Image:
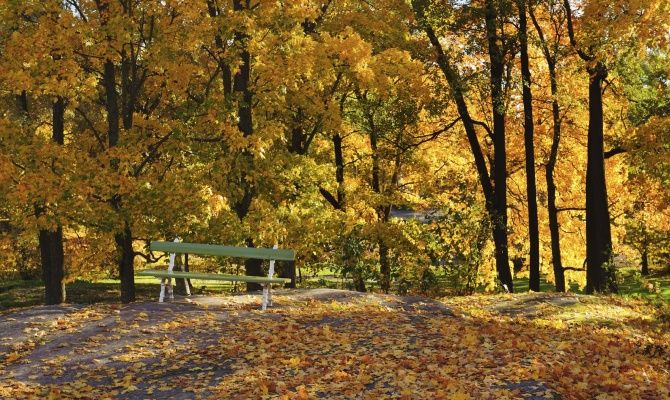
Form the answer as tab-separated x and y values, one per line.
42	74
529	131
551	50
495	193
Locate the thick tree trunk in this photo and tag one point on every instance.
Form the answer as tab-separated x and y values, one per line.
111	103
645	260
497	69
599	273
51	242
528	130
552	210
124	243
359	282
52	260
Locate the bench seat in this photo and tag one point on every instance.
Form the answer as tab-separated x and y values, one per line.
211	277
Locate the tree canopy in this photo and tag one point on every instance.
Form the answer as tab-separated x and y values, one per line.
526	137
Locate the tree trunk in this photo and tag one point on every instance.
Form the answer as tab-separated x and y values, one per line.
124	243
382	210
559	273
497	69
111	103
528	130
254	267
226	73
552	210
339	170
241	83
180	284
457	92
52	255
599	273
359	282
122	238
51	241
287	270
645	260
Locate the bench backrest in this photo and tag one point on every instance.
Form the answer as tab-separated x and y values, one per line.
226	251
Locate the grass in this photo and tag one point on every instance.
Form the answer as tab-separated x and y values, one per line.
655	286
17	293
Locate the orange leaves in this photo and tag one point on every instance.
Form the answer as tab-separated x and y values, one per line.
366	348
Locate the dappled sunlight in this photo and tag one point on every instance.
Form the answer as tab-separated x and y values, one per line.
370	346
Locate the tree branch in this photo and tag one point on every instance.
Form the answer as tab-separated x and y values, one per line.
560	209
614	151
330	198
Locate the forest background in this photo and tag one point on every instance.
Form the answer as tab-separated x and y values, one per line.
524	137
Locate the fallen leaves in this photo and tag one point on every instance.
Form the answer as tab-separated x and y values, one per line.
359	349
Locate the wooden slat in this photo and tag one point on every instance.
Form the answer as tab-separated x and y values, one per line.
229	251
211	277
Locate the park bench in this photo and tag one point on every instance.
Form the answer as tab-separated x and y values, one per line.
177	247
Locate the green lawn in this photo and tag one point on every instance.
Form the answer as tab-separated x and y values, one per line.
19	293
631	284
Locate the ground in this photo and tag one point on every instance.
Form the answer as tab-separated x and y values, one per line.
325	343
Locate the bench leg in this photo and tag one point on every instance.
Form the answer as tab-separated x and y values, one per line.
170	291
264	305
188	287
162	295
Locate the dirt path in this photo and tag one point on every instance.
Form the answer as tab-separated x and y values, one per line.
313	344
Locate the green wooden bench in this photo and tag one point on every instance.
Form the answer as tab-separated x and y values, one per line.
177	247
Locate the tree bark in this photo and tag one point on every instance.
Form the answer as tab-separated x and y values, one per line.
123	237
600	276
124	243
253	267
339	170
528	130
382	210
244	96
51	242
458	93
645	260
497	69
338	202
599	273
52	255
287	270
552	210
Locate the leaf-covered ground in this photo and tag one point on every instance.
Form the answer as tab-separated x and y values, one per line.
335	344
